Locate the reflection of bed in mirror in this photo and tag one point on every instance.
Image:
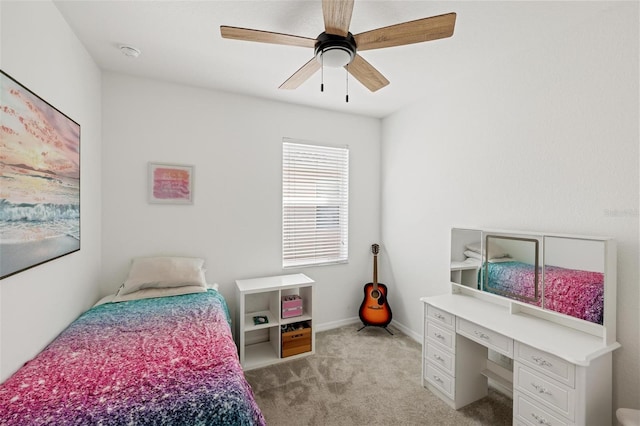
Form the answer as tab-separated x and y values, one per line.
564	274
571	292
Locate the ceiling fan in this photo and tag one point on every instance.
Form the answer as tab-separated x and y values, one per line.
337	47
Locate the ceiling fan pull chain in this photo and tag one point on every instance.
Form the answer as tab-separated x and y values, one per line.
347	97
322	72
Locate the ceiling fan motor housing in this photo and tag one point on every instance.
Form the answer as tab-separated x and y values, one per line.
334	50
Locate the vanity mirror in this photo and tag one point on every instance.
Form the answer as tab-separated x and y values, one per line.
559	273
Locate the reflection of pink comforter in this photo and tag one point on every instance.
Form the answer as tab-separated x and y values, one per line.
572	292
166	361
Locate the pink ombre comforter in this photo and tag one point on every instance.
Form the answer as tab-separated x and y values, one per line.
571	292
163	361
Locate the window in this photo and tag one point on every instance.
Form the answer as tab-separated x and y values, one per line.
315	208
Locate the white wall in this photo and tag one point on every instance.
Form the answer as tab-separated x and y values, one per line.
544	139
235	144
42	53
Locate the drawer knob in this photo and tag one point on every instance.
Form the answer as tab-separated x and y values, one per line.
540	389
481	335
541	361
438	335
540	420
437	378
438	357
439	316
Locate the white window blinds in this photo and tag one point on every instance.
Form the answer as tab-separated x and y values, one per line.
315	204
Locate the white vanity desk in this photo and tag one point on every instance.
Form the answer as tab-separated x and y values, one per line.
562	370
557	370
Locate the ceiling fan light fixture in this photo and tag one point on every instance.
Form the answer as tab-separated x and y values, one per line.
334	57
335	51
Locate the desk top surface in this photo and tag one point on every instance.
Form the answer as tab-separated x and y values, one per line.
572	345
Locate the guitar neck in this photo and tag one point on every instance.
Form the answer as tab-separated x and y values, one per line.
375	271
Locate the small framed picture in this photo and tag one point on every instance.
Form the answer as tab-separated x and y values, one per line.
170	183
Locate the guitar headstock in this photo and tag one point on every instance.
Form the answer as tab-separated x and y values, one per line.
375	249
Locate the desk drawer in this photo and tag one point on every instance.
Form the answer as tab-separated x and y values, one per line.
551	365
486	337
527	412
441	358
442	336
441	317
440	380
548	392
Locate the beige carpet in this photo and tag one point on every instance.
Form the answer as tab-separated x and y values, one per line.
363	378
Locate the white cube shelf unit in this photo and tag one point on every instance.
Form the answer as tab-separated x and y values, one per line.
260	344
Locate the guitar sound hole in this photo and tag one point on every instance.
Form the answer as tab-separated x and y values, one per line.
375	294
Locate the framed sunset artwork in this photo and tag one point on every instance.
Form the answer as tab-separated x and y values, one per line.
39	180
170	183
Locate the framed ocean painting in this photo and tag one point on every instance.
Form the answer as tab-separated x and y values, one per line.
170	183
39	180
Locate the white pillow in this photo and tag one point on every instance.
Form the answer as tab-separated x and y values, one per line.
472	254
164	272
149	293
473	247
495	250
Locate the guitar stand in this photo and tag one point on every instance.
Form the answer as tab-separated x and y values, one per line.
385	327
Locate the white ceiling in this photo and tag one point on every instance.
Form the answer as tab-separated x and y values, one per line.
180	42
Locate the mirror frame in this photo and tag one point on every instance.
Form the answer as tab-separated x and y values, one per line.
536	278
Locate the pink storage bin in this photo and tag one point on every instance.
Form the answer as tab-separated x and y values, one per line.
291	306
293	312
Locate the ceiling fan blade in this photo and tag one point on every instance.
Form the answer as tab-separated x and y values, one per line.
265	36
337	16
302	75
417	31
366	74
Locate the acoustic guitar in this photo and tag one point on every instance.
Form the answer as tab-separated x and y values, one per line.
375	310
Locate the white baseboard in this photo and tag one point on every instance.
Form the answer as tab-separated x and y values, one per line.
406	330
355	320
335	324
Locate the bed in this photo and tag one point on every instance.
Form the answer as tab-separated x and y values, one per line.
145	361
572	292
